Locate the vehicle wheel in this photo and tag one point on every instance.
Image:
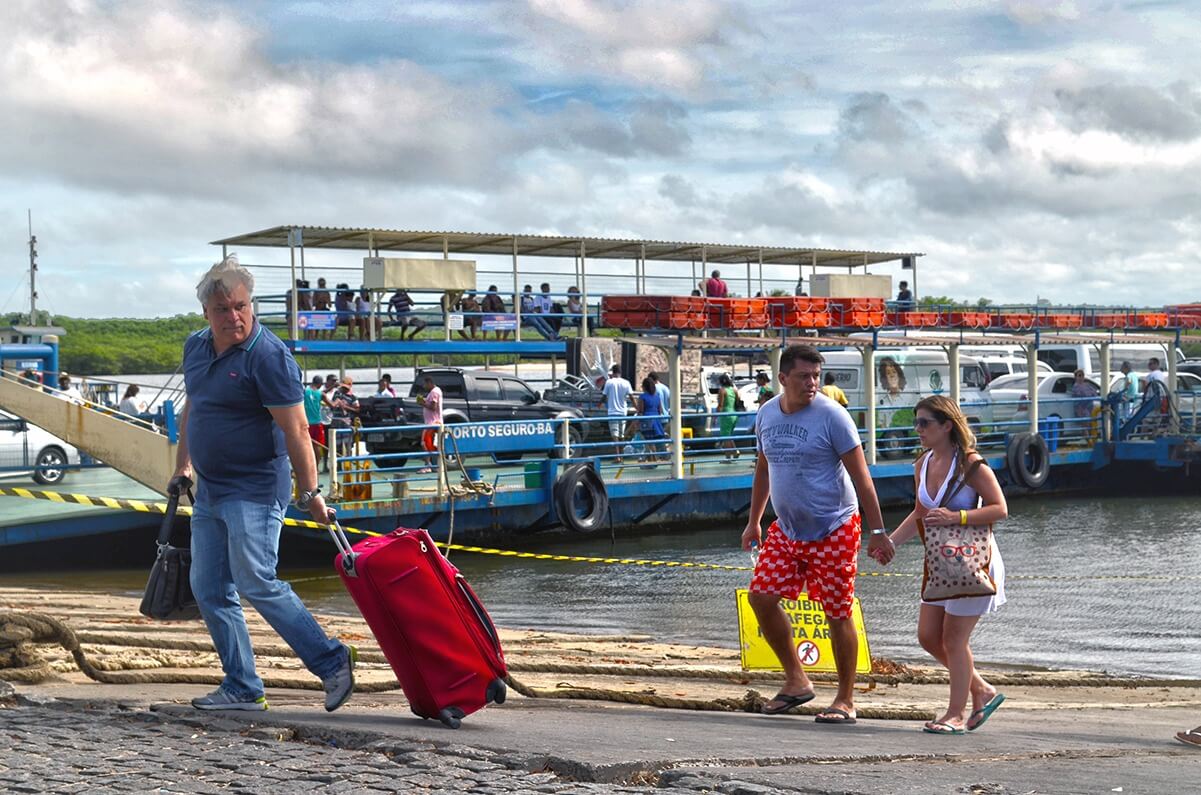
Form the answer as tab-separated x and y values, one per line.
892	443
51	466
575	438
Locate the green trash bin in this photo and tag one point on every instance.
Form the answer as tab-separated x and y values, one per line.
534	473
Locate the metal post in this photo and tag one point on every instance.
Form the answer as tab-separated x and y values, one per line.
292	313
1106	377
1032	383
583	289
516	299
869	399
761	272
953	367
33	272
1170	349
676	423
335	483
642	257
750	290
566	441
774	358
446	296
302	260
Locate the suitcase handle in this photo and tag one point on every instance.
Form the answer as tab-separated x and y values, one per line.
480	613
343	545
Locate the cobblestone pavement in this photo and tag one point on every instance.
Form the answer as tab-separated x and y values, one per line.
103	750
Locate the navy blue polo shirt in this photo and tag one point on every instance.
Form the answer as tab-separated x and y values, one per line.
236	448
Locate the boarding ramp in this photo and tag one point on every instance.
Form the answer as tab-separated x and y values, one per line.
133	447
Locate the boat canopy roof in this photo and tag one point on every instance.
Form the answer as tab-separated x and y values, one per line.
524	245
882	342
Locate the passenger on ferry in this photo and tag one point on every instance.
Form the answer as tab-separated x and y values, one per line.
1154	373
967	494
344	304
616	397
362	313
550	307
431	414
322	303
531	308
327	414
811	464
314	399
1082	390
384	389
715	287
401	314
727	402
346	407
243	423
129	402
1129	391
650	404
495	305
764	393
833	391
575	307
469	305
904	298
662	390
67	390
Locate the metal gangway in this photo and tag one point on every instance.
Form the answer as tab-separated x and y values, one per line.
133	446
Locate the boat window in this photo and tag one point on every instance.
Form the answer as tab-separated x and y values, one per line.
451	385
1063	360
516	390
487	389
972	376
844	378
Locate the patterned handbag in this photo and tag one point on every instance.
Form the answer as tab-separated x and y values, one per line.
957	557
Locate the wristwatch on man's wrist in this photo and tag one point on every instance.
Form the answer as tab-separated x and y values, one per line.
304	498
879	531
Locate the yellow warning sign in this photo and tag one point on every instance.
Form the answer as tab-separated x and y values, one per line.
810	636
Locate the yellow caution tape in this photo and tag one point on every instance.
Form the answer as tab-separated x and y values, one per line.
161	508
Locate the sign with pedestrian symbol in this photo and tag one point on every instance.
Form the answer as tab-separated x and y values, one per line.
810	636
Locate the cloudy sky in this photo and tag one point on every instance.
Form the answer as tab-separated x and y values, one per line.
1029	148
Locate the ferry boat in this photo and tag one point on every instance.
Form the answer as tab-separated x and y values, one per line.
518	473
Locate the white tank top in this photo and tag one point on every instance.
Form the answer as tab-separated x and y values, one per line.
965	500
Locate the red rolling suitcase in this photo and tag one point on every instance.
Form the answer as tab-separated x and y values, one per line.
429	623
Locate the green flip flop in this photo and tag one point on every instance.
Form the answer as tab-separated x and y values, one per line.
985	712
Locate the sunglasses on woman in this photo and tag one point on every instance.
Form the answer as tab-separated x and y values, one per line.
921	423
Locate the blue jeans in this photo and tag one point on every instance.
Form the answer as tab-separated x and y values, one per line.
235	548
540	325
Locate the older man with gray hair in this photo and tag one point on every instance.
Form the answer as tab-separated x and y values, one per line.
244	419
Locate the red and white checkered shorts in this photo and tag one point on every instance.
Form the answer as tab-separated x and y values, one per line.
824	569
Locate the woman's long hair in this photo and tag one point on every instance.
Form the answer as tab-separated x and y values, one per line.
946	410
130	391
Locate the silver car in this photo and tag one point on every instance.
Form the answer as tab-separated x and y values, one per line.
28	450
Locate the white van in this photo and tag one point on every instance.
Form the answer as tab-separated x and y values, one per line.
1069	358
903	377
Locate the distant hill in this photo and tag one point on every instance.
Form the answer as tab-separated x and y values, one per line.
124	345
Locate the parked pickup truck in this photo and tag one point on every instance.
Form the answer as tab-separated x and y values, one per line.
467	396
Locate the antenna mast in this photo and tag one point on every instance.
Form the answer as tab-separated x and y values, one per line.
33	272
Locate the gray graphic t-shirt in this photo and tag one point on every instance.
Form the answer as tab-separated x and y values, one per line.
811	492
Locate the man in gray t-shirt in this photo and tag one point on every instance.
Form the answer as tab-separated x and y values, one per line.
811	464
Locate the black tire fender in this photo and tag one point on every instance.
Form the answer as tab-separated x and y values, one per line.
574	481
1029	460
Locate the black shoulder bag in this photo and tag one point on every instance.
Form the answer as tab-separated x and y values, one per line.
168	592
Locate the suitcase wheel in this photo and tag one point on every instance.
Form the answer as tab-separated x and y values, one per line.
496	692
452	717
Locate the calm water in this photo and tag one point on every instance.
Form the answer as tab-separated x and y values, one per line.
1134	626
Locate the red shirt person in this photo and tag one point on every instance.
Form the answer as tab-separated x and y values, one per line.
714	286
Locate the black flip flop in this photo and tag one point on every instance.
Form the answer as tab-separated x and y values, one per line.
845	720
790	701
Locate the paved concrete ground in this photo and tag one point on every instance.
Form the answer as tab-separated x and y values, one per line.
136	738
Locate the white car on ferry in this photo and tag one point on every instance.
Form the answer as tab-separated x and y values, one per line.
27	450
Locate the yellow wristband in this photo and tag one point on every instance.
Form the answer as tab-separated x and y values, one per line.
963	517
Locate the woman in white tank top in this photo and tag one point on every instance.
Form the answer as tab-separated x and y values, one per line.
944	628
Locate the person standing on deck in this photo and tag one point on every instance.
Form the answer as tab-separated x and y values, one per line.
811	465
833	391
1129	391
904	298
314	400
764	393
431	414
664	393
243	421
715	287
616	396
